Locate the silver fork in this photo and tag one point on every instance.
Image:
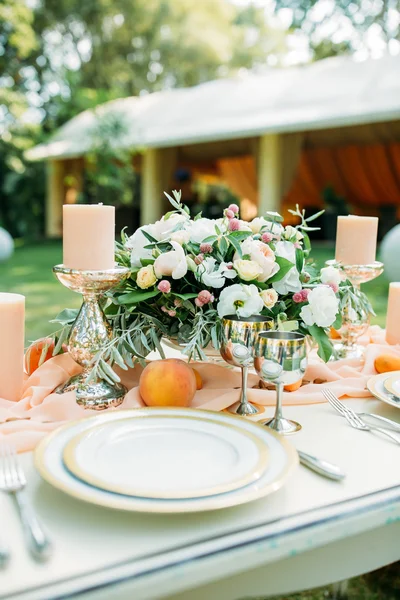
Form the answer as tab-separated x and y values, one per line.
13	482
352	418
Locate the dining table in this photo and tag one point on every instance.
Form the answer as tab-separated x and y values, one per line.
311	532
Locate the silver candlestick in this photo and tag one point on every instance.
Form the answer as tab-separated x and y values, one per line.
355	317
89	334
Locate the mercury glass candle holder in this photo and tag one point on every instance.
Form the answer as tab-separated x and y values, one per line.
355	319
89	334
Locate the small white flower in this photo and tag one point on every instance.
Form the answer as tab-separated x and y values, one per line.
163	228
290	283
243	300
322	307
172	263
259	222
330	275
291	233
137	242
213	275
269	297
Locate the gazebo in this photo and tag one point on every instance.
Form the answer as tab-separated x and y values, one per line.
275	138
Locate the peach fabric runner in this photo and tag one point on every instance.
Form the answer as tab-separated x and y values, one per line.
40	410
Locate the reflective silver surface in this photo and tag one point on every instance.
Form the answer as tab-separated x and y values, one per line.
237	348
355	320
321	466
280	357
90	333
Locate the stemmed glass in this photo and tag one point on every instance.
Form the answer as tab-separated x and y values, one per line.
237	348
280	358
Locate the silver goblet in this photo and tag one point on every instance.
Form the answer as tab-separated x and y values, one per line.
237	347
280	357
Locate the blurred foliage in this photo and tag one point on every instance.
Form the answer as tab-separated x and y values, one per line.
344	26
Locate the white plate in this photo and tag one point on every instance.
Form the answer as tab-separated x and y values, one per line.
167	456
376	385
49	462
392	385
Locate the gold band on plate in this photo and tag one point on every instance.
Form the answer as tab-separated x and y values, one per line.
254	474
203	504
385	396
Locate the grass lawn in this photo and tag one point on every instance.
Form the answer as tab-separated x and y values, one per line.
29	272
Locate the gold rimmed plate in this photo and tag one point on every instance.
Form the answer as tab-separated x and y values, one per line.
282	460
166	456
384	387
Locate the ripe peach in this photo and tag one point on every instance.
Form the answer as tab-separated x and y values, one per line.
34	352
387	362
169	382
292	387
199	381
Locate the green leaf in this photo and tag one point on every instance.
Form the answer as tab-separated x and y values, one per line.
66	316
223	245
149	237
299	259
313	217
186	296
284	267
337	322
147	261
236	244
135	297
240	235
325	348
198	216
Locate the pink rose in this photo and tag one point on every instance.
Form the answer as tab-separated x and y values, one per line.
164	286
298	297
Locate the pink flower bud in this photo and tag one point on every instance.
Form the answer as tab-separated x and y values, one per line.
234	225
205	297
305	293
229	213
267	237
334	287
164	286
178	302
206	248
198	303
234	208
298	297
199	259
297	245
164	309
172	313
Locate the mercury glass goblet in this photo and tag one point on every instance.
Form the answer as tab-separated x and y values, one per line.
280	357
237	349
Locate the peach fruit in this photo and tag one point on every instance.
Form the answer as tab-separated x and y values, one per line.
169	382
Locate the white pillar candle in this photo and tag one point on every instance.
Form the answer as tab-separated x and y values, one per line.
88	236
356	240
12	333
393	314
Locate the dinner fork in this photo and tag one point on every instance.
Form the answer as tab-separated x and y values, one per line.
13	482
352	418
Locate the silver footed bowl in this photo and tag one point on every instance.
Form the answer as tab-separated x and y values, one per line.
280	358
237	349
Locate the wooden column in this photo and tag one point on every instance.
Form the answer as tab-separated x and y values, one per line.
158	166
269	169
54	198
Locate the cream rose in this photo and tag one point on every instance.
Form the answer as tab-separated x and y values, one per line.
146	277
322	307
269	297
171	263
182	236
247	269
261	254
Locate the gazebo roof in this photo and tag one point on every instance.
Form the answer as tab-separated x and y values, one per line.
326	94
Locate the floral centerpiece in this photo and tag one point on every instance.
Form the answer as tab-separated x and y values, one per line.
187	274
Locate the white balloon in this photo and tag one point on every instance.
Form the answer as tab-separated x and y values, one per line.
6	245
390	253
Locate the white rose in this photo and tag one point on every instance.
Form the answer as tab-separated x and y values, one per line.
163	228
261	254
330	275
244	226
259	222
137	242
181	236
201	229
322	307
290	283
292	233
243	300
212	274
248	270
146	277
269	297
172	263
